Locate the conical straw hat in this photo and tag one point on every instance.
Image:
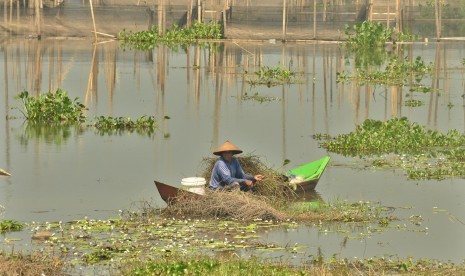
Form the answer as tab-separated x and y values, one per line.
227	146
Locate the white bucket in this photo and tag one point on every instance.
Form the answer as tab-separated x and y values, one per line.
194	184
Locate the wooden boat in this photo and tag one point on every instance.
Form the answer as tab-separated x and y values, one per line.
170	194
309	174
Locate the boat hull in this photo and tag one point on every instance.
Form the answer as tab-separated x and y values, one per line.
307	185
171	194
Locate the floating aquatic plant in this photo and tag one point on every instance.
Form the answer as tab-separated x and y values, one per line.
422	153
10	225
259	98
397	72
174	36
397	135
52	107
111	125
367	41
413	103
271	76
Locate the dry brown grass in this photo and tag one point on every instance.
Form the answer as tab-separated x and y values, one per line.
271	195
273	186
225	205
30	265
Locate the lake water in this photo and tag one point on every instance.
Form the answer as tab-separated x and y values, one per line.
78	172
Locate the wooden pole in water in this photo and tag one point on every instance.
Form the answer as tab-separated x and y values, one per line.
397	16
199	11
37	12
388	13
314	18
189	13
437	15
370	9
284	20
160	17
93	18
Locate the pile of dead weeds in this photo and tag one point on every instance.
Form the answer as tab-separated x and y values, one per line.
266	203
234	205
29	265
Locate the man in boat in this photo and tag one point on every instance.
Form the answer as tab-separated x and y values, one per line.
228	174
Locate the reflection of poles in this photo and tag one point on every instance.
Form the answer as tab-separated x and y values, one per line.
59	64
435	86
284	93
313	83
197	72
90	83
38	68
51	69
325	88
110	67
217	111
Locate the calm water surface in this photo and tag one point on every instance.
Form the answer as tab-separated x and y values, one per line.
79	172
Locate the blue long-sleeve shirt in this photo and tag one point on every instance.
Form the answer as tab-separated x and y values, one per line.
225	173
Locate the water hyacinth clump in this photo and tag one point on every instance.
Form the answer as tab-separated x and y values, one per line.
111	125
397	72
271	76
397	135
53	115
52	107
149	39
398	143
10	225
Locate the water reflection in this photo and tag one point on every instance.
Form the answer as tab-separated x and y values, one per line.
196	95
49	134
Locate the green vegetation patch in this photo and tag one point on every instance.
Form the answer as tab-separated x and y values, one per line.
367	42
272	76
111	125
398	143
318	265
259	98
52	116
204	265
414	103
397	72
52	107
145	40
10	225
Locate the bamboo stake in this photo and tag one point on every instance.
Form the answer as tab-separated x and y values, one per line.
314	18
388	14
199	11
189	13
370	9
93	19
437	15
284	20
37	12
397	16
104	34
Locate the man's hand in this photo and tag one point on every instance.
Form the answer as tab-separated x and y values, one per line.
258	177
248	183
